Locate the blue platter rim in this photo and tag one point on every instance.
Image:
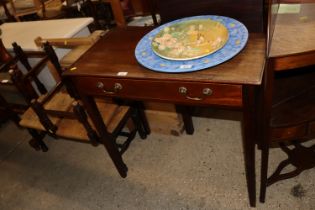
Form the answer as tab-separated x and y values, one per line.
238	37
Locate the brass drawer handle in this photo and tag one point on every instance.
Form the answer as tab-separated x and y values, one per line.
117	87
205	92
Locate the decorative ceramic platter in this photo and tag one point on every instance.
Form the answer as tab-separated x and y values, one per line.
237	39
190	39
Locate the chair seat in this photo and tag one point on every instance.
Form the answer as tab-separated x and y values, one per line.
23	7
60	102
72	128
23	4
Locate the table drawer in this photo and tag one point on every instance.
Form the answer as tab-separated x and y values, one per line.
171	91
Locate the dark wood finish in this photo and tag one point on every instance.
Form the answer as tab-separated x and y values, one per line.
233	84
289	99
294	61
302	158
24	60
248	125
186	113
223	94
245	68
249	12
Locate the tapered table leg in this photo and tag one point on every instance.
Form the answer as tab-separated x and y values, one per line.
186	113
249	127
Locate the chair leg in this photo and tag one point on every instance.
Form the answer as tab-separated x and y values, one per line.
43	118
37	142
139	124
82	117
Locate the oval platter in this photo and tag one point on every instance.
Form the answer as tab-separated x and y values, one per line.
190	39
237	39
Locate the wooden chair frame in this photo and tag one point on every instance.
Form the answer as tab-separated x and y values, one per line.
42	107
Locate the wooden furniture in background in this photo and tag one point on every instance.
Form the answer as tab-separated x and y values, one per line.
231	90
24	33
137	8
289	93
43	9
249	12
5	14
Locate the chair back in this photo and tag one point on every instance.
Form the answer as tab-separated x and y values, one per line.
17	99
249	12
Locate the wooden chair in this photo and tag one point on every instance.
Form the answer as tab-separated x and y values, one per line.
12	101
288	99
48	9
59	113
5	14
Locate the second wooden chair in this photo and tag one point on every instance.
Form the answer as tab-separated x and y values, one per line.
59	113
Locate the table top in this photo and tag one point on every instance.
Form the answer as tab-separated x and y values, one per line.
113	56
294	31
24	33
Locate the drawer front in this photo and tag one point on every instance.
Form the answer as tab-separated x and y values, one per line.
169	91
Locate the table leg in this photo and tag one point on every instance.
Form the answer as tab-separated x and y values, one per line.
186	113
106	139
249	125
144	121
